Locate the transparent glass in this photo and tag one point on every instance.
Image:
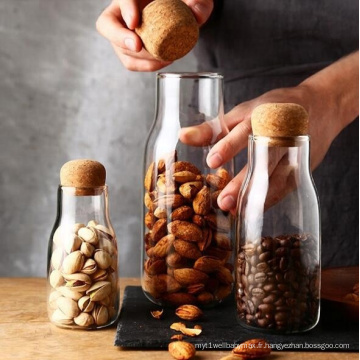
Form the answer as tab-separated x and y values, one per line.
278	238
83	285
187	242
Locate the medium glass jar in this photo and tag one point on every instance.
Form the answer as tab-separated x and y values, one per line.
278	238
83	287
187	254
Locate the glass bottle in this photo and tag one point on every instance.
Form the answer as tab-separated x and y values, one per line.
278	238
83	287
187	253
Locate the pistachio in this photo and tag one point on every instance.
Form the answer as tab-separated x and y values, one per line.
92	223
57	258
106	245
105	301
105	230
68	307
76	227
56	279
100	315
60	318
99	290
99	275
89	267
71	243
65	291
84	320
89	235
54	295
73	262
85	304
87	249
102	258
78	282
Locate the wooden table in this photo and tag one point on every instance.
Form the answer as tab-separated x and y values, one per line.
26	333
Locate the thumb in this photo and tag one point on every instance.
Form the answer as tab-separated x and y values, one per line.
202	9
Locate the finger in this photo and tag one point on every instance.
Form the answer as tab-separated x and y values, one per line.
110	26
134	64
143	55
227	199
202	9
239	113
130	13
230	145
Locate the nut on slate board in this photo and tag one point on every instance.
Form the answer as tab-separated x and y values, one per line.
168	29
83	174
279	120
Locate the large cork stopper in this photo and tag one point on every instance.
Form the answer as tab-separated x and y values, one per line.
279	120
84	175
168	29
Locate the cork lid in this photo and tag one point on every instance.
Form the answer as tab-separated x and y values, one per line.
83	174
279	119
168	29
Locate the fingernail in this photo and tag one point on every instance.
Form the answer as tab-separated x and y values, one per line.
227	203
127	19
214	160
202	9
130	44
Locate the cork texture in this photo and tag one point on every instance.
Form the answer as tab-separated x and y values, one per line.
82	173
168	29
280	120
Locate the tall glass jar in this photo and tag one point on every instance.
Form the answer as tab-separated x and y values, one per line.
278	238
83	287
187	254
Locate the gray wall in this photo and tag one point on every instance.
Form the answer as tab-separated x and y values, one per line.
64	95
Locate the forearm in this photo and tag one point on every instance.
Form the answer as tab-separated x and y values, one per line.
337	89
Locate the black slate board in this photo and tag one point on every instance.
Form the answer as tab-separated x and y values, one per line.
137	329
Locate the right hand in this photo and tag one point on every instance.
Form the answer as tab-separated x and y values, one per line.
121	17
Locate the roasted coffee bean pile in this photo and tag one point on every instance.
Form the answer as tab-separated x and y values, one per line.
277	283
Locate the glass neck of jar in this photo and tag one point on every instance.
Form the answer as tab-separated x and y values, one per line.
280	156
81	205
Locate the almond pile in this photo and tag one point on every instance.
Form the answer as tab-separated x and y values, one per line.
187	238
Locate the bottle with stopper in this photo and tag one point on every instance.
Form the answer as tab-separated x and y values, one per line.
83	287
278	226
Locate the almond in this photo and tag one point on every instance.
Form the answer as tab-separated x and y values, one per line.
148	201
195	289
185	176
181	213
224	276
184	166
223	292
218	221
160	213
169	201
207	264
185	230
215	181
156	314
177	326
206	240
175	260
159	230
149	181
179	298
222	241
198	220
253	349
188	277
223	255
214	196
149	220
205	298
190	189
187	249
224	174
191	332
188	312
155	266
162	248
181	350
177	337
166	161
162	283
202	201
163	186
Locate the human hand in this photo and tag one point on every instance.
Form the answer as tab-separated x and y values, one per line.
121	17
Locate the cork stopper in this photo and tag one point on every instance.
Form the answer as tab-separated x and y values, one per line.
84	175
279	120
168	29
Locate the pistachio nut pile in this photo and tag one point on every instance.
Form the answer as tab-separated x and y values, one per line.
83	276
187	237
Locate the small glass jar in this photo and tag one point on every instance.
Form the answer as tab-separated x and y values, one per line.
278	238
83	287
188	250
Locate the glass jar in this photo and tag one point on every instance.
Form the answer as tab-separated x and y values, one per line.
83	287
187	254
278	238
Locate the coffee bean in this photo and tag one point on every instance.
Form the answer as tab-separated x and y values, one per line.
260	277
269	287
263	266
251	306
254	260
280	317
251	279
269	299
263	322
265	256
284	263
281	251
266	308
258	292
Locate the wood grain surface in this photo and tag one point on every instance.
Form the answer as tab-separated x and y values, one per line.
26	333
